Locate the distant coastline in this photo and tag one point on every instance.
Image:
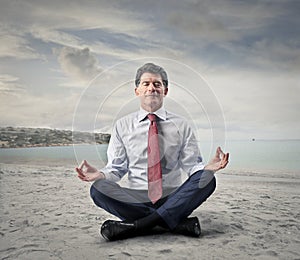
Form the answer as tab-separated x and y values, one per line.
21	137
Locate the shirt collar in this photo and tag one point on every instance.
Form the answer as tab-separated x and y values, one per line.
161	113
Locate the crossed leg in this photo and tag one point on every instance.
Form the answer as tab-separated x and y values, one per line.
134	206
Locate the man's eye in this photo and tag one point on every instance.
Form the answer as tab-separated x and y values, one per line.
157	84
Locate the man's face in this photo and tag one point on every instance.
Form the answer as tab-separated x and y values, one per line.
151	91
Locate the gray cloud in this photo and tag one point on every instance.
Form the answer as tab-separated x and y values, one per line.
79	64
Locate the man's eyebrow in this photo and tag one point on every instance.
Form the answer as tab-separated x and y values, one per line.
147	80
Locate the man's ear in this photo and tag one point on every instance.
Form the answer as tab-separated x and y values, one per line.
165	91
136	91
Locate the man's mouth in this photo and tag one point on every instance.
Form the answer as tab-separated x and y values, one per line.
152	95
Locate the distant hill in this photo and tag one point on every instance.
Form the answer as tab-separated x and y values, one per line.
12	137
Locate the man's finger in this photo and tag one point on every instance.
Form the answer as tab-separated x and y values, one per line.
80	172
224	165
218	152
227	156
80	176
221	152
83	179
86	164
224	161
81	165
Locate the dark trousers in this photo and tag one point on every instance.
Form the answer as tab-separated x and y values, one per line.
173	207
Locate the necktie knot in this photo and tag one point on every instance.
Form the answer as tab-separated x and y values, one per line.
152	117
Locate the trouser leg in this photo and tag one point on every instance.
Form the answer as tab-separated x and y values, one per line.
187	198
131	205
126	204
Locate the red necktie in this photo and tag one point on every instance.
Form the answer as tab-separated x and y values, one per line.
154	167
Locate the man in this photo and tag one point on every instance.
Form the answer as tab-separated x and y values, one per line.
152	146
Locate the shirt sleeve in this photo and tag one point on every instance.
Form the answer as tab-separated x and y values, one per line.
190	157
117	165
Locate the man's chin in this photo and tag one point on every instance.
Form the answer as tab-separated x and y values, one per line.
154	105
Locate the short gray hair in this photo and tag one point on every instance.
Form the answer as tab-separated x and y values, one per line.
154	69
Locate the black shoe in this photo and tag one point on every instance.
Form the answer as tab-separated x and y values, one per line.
115	230
189	227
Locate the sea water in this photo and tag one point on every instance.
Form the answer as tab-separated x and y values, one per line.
55	155
245	156
265	155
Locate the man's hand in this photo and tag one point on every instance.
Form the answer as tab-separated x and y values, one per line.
87	172
218	162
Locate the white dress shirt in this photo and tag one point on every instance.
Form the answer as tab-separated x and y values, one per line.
127	149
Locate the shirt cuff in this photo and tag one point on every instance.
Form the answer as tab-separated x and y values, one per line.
196	168
111	176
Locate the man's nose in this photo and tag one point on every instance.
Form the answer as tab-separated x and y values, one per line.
151	87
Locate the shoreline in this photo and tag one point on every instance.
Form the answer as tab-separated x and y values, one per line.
51	145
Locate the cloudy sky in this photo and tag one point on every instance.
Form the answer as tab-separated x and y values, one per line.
233	64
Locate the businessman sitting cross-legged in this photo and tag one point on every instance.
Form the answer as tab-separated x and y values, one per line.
152	146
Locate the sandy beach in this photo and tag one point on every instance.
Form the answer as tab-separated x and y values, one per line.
46	213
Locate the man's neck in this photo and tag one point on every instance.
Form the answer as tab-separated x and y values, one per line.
151	109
